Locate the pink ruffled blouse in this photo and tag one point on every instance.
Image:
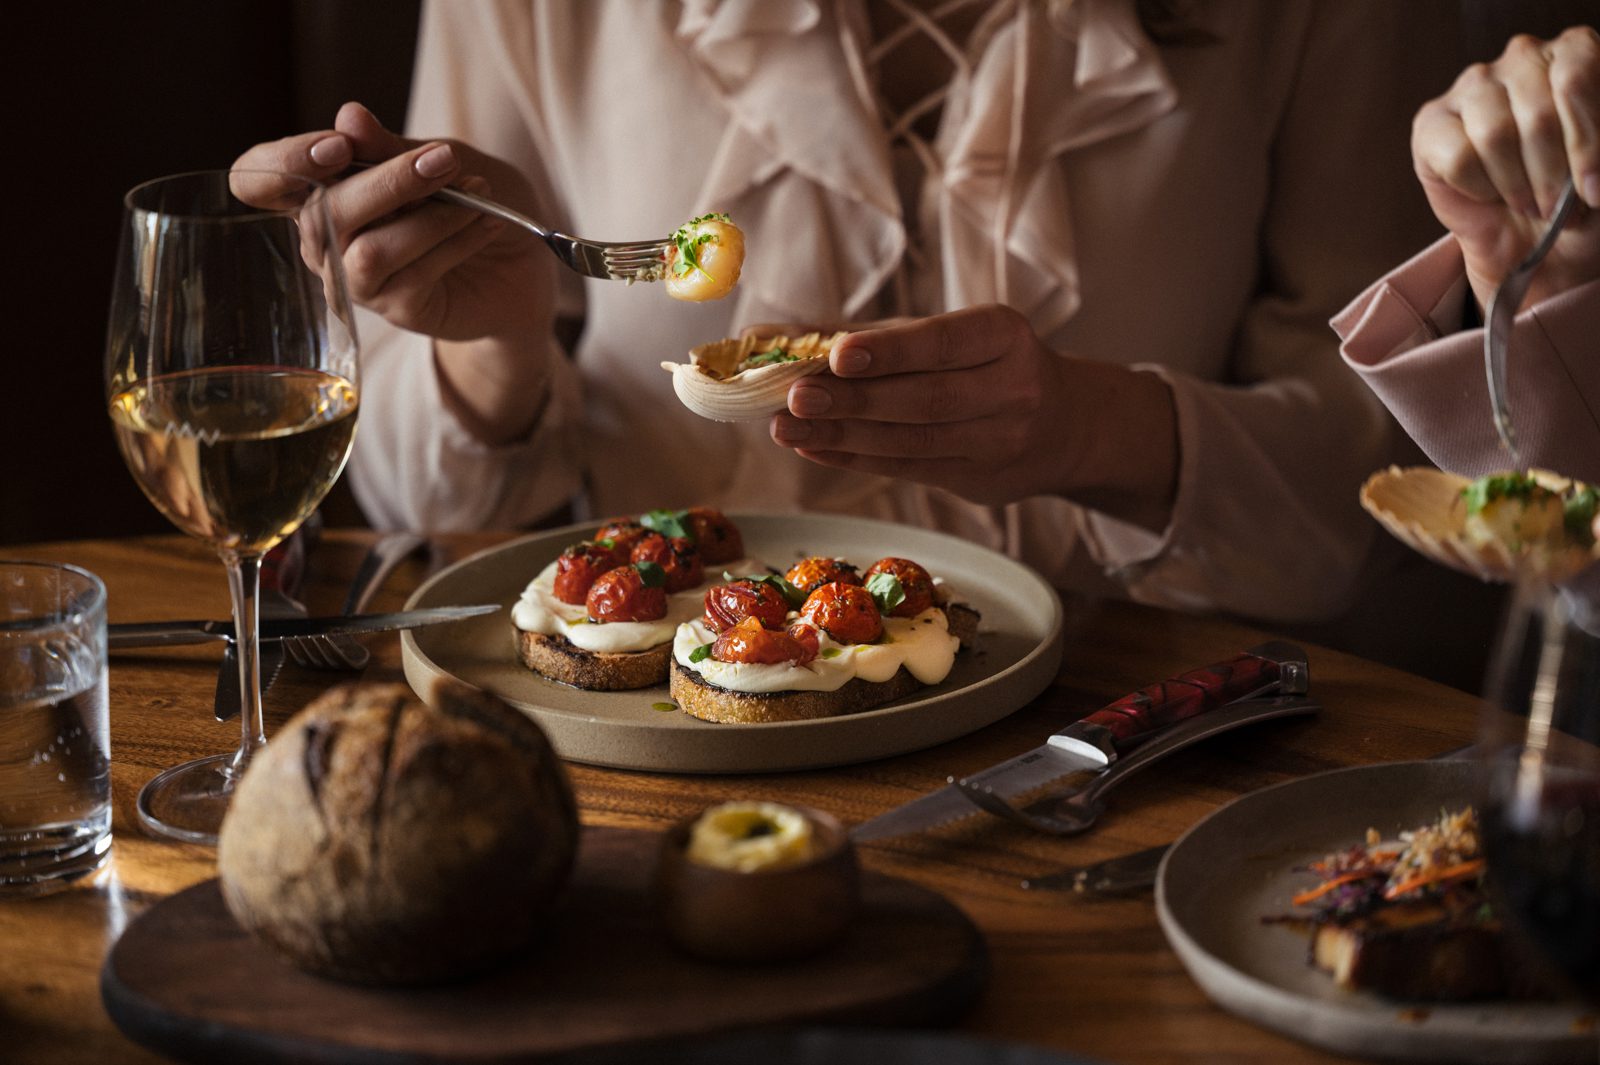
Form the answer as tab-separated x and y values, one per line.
1197	211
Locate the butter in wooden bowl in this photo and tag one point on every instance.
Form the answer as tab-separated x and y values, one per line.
757	881
381	839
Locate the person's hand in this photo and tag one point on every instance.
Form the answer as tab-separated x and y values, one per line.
432	268
1493	152
973	402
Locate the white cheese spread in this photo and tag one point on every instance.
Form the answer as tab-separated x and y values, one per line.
922	644
538	610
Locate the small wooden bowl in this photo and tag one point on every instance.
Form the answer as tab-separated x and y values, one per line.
767	915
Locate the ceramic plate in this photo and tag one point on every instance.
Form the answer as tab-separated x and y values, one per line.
1259	971
1017	656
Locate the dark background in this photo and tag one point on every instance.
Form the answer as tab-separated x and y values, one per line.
106	95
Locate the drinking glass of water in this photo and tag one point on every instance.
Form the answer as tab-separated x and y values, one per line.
55	744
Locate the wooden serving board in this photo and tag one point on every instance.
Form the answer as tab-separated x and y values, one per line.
185	980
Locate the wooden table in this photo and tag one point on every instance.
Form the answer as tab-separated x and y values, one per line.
1091	977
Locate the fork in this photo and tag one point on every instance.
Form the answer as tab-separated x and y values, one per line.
640	260
1503	306
345	652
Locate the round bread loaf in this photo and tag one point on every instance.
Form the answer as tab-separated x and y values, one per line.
379	839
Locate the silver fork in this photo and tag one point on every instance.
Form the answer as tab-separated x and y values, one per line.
346	652
639	260
1503	306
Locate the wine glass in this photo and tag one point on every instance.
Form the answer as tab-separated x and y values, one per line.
1541	812
231	379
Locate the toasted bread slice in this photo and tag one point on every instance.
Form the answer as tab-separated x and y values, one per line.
700	698
560	659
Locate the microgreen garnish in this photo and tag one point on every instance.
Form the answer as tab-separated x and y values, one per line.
768	358
651	574
1486	490
688	243
701	653
667	522
791	595
886	591
1578	512
607	543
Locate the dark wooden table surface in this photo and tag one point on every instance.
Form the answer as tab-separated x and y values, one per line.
1092	977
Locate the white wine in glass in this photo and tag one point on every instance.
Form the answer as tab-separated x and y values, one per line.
232	384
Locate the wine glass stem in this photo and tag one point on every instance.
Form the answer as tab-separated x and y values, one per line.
244	584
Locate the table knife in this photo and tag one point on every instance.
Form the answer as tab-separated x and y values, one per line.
177	633
1097	740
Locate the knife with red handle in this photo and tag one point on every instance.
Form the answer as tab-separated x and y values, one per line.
1096	741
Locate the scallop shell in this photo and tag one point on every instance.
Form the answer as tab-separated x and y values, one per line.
710	385
1423	508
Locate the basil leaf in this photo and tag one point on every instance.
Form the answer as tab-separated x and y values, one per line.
791	595
701	653
651	573
886	591
667	522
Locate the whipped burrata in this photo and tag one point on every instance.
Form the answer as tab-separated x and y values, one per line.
538	610
923	644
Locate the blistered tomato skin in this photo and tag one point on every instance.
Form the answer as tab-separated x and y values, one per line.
728	604
748	642
847	612
718	538
914	580
809	574
621	595
677	556
578	567
622	533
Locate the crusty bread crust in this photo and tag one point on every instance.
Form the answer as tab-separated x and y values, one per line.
560	659
700	698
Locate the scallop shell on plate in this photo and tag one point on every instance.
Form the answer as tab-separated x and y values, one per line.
717	383
1424	509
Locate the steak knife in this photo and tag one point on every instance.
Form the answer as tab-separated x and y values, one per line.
1097	740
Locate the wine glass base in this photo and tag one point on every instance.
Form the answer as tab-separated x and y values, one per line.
188	801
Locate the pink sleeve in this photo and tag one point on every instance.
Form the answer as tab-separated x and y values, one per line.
1403	337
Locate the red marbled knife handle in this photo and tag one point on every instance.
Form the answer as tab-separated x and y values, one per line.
1122	724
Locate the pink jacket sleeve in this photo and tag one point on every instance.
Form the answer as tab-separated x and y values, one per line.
1404	337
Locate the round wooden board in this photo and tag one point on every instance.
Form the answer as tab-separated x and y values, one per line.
185	980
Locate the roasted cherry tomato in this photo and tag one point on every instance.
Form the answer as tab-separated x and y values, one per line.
809	574
578	567
718	538
621	594
728	604
622	534
749	642
847	612
914	581
677	556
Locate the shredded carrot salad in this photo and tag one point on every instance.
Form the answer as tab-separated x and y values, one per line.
1439	860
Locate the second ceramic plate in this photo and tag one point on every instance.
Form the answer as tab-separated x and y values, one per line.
1238	866
1017	656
